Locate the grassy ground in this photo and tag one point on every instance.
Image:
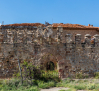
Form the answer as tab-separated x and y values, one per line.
49	80
36	85
80	84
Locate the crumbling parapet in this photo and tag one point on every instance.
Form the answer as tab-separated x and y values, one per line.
96	40
59	34
88	40
78	40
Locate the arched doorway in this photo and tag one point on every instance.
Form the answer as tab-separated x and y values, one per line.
50	66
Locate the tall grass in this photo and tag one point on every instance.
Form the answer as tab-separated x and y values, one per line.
50	75
15	85
79	84
47	80
96	75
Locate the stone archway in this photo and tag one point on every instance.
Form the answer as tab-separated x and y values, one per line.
49	62
50	66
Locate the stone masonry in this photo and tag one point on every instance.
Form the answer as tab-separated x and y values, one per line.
40	45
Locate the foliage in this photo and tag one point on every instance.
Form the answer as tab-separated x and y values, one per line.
78	84
36	78
80	87
29	71
91	86
62	90
74	85
15	85
46	84
96	75
79	75
50	75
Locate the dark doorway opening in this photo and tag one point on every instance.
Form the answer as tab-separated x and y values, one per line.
50	66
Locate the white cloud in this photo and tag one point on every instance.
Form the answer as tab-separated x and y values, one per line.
0	24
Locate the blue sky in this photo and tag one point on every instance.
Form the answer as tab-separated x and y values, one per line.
82	12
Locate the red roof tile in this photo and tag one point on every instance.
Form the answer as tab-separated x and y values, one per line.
25	24
55	25
73	26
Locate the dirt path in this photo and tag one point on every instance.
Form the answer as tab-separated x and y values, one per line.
55	89
59	88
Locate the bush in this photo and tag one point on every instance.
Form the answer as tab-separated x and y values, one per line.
80	87
14	85
46	84
68	80
30	71
33	75
79	75
91	86
65	83
96	75
50	75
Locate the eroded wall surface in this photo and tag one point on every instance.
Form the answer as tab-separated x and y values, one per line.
41	45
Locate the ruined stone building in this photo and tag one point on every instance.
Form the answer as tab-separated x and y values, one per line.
68	48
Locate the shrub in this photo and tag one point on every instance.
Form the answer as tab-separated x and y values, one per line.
91	86
68	80
46	84
14	85
50	75
79	75
60	84
96	75
80	87
30	71
65	83
35	76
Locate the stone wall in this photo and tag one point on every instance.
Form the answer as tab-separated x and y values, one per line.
73	32
41	45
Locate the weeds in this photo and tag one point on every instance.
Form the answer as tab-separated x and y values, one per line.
91	86
96	75
79	75
15	85
46	84
45	79
62	90
80	87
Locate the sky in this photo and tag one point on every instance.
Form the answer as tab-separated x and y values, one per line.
82	12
